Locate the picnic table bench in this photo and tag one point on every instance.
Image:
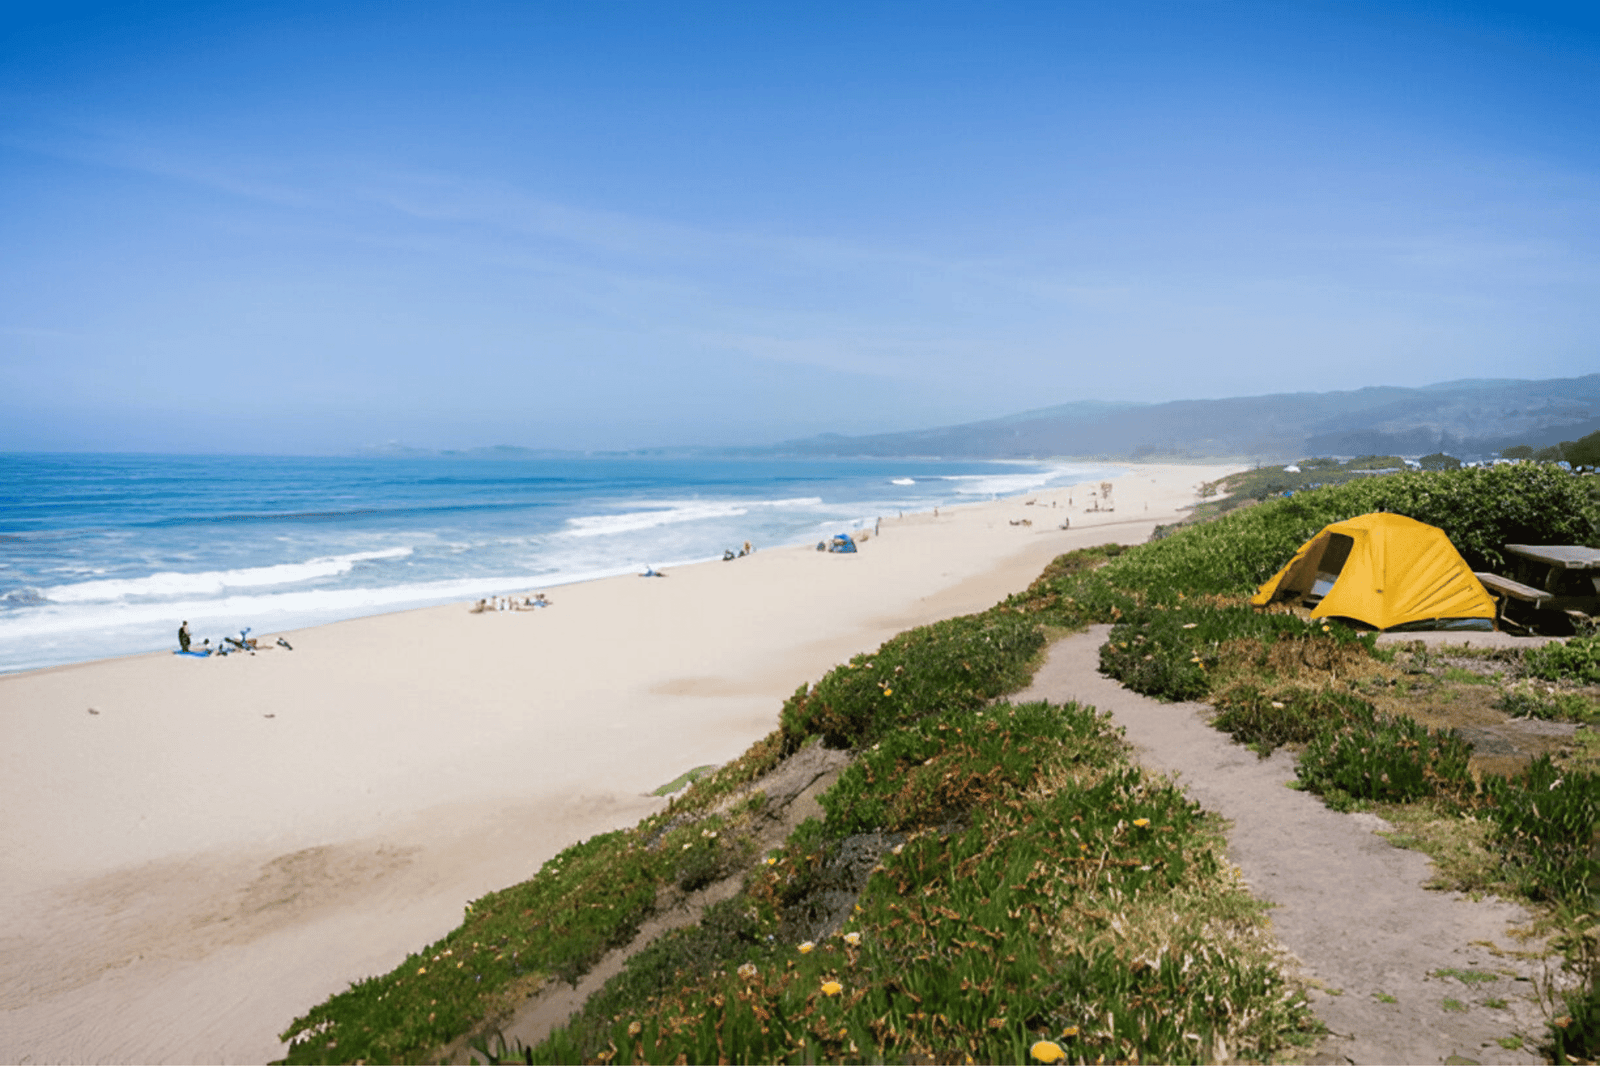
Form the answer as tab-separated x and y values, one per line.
1562	578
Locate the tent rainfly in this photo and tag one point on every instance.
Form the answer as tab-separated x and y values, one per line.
1387	571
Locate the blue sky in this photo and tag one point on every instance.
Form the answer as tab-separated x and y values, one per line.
309	228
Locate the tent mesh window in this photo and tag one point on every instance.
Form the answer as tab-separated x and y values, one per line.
1330	566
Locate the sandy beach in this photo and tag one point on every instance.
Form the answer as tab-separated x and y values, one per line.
198	850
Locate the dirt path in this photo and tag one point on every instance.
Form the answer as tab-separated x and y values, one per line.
1348	905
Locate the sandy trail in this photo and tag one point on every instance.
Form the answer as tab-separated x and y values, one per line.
1350	906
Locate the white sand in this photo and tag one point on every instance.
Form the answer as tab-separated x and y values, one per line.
227	842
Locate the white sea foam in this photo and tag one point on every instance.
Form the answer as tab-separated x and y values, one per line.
903	481
213	582
674	513
1026	480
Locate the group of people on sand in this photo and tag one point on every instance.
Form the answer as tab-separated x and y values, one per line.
510	603
227	646
746	550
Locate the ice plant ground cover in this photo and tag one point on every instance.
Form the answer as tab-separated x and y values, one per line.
1029	884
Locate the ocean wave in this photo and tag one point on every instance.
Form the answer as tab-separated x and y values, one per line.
274	611
172	583
902	481
1019	481
674	513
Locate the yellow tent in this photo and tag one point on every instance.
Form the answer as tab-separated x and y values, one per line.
1386	570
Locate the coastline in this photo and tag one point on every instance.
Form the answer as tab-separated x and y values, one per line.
227	842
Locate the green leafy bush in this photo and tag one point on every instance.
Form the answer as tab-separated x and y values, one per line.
1545	820
1379	757
948	666
1576	660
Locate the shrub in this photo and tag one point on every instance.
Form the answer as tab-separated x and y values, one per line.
1545	819
1379	757
1576	660
953	665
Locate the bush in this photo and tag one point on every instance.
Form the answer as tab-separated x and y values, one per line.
948	666
1576	660
1545	819
1379	757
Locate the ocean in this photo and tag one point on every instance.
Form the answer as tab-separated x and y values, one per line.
103	555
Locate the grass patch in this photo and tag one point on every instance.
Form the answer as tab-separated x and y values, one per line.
1384	758
1467	977
961	663
1463	860
586	900
1576	660
683	780
1528	701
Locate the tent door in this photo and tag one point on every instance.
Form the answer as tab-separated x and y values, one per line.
1330	566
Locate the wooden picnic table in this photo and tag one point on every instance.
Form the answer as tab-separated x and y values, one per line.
1551	577
1558	556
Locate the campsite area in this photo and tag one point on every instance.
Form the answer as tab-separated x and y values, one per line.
961	877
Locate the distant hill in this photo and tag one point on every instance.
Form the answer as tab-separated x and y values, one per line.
1467	419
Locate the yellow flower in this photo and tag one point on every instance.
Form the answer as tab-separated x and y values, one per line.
805	949
888	692
852	939
1141	822
1071	1030
831	988
1047	1051
421	970
772	860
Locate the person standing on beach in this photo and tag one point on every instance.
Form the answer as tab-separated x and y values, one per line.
183	636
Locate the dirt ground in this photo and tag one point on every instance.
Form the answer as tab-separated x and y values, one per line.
1401	974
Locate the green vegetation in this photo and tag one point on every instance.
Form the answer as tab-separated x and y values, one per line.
1379	757
1439	461
1582	453
1026	883
1532	702
1576	660
958	664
